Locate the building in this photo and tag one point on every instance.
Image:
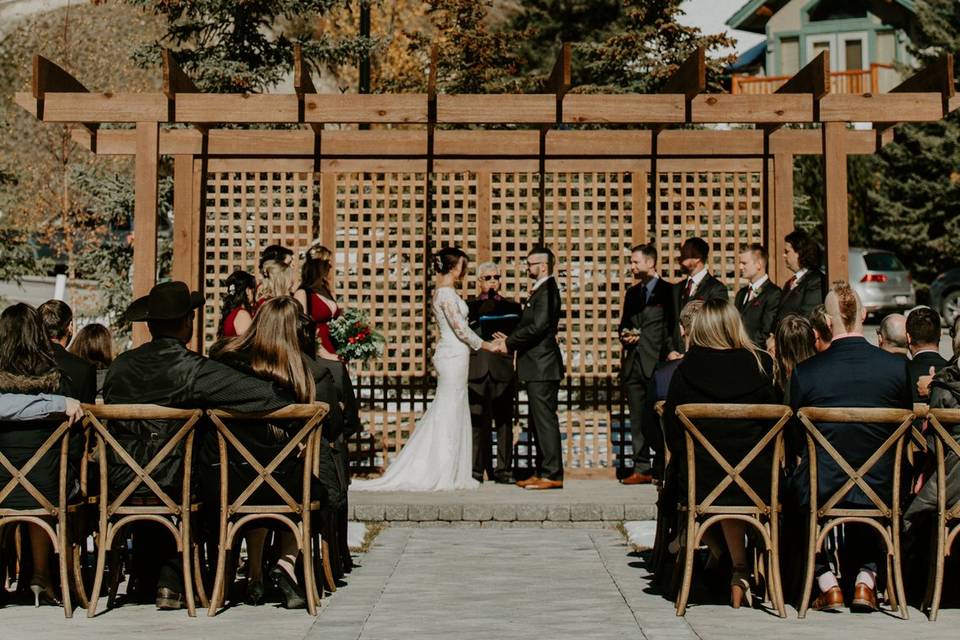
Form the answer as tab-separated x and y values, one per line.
867	40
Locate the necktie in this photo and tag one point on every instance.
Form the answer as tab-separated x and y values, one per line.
751	294
686	293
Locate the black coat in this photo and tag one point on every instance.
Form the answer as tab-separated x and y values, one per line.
721	376
81	376
851	373
920	366
760	313
654	318
535	338
483	362
809	292
710	288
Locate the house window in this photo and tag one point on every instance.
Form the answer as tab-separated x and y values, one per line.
838	10
853	54
789	56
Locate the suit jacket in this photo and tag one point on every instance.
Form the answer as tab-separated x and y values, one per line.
851	373
654	318
759	315
535	338
809	292
80	376
482	362
920	366
710	289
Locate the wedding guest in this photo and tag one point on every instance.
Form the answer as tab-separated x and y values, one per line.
723	365
645	325
278	280
699	284
759	301
851	373
806	288
58	322
94	343
892	335
822	331
239	305
19	407
164	372
316	297
923	340
275	253
492	384
796	342
923	383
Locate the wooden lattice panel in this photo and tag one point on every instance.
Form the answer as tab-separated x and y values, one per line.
244	212
514	228
725	208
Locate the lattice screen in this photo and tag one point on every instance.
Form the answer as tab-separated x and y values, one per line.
514	227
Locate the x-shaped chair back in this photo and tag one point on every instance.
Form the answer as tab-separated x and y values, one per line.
306	440
940	420
98	419
18	476
903	418
735	414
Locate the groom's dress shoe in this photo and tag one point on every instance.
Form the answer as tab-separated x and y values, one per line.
531	480
638	478
545	484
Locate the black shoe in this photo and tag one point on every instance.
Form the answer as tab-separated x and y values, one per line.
478	478
293	598
504	479
168	599
254	592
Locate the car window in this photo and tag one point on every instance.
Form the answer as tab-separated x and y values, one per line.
883	262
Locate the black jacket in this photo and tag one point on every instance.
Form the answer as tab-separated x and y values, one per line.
710	288
654	318
535	338
760	313
81	376
809	292
482	362
920	366
851	373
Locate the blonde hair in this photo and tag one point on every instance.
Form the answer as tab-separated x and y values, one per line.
718	326
278	279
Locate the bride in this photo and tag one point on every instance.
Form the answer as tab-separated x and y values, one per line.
438	455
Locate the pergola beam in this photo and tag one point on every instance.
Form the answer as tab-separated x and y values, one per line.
50	79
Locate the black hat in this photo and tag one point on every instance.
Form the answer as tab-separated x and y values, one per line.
166	301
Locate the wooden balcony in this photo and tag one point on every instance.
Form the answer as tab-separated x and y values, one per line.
852	82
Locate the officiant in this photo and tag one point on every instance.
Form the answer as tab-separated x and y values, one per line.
492	380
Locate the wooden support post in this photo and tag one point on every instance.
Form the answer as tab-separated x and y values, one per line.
186	229
689	79
145	218
782	205
836	224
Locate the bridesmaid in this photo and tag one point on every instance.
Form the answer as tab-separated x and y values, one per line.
315	295
236	313
279	279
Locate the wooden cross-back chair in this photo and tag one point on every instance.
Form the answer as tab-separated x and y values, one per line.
948	515
41	515
117	509
759	515
290	512
882	516
661	538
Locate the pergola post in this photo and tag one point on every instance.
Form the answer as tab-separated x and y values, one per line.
780	223
836	223
145	217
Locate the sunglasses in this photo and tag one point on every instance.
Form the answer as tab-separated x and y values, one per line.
491	277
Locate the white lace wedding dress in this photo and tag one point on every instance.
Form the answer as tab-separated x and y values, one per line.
438	456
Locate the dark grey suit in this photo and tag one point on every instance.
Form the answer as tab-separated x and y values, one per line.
804	296
710	288
540	366
760	314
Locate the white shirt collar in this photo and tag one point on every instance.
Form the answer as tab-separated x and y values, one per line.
799	274
759	283
536	285
697	279
930	350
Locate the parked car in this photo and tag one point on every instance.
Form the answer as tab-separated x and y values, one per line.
883	283
945	294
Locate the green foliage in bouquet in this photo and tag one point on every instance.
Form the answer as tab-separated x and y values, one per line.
353	336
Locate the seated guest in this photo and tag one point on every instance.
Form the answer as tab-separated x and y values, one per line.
923	341
851	373
759	301
723	366
806	288
28	366
699	284
17	407
58	322
892	334
239	305
795	340
923	383
822	331
95	345
164	372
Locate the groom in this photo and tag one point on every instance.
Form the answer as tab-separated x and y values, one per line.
540	366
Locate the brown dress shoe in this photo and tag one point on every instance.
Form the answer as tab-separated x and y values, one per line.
545	484
864	598
638	478
523	483
830	600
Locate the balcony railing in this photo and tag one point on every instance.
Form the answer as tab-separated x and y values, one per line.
858	82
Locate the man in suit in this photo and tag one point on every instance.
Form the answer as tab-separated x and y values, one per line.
540	367
57	318
491	380
645	325
851	373
923	340
759	301
806	288
699	284
892	334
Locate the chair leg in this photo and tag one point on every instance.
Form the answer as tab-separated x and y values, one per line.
309	577
77	571
327	567
98	573
689	551
216	596
185	548
813	532
116	575
892	597
935	580
198	577
62	554
898	586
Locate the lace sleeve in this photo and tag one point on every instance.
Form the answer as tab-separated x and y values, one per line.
451	311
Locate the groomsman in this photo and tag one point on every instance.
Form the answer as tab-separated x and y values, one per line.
807	287
492	379
540	367
759	301
699	284
645	325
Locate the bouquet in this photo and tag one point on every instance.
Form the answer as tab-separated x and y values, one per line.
353	336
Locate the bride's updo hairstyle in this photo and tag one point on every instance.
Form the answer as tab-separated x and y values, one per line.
446	260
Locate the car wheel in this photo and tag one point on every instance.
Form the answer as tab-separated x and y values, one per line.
950	307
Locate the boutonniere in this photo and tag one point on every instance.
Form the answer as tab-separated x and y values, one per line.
755	303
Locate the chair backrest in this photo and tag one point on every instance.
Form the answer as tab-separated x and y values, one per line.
18	476
98	418
940	422
730	416
901	419
305	441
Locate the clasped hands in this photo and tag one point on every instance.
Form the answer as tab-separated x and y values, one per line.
498	344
